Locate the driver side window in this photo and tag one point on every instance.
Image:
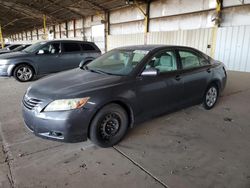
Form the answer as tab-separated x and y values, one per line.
53	48
163	62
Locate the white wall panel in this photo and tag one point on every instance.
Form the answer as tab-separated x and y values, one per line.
233	47
126	15
115	41
199	38
127	28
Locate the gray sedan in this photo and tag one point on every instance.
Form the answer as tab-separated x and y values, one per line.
47	57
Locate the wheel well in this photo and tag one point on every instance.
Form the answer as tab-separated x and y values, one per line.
216	83
123	105
12	72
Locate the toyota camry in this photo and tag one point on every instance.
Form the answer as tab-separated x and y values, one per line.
101	99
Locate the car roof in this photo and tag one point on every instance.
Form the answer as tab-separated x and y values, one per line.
151	47
58	40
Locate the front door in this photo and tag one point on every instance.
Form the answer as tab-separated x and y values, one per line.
48	58
160	93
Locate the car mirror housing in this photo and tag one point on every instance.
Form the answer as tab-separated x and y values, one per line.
40	52
84	62
150	72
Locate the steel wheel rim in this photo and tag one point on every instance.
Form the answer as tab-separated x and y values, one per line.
24	73
109	126
211	96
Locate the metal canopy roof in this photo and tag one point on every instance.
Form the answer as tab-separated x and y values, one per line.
20	15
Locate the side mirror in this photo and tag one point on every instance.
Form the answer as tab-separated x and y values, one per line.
84	62
40	52
150	72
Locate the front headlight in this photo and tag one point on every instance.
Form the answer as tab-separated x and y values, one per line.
3	61
66	104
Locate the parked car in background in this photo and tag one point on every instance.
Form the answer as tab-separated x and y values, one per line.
122	87
17	49
9	48
46	57
5	45
20	48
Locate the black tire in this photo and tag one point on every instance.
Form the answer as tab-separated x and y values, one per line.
111	119
23	73
210	97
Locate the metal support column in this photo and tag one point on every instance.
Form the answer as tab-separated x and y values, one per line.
44	27
66	29
217	20
107	29
1	37
146	18
37	34
31	35
60	31
74	27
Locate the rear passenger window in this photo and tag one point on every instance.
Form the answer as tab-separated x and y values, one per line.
191	60
87	47
71	47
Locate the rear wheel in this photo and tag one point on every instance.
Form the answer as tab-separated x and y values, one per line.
23	73
211	97
109	126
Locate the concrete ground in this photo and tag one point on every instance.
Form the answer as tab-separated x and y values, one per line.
186	149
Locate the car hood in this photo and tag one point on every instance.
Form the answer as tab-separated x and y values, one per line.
71	84
13	55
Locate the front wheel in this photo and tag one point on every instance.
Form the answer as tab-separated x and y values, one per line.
23	73
109	126
211	97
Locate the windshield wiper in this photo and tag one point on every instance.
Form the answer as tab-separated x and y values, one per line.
92	70
97	71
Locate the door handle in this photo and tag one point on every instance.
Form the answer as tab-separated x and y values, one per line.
178	77
208	70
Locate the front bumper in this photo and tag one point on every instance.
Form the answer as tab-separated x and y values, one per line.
66	126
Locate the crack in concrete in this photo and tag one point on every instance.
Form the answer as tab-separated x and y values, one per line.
7	161
38	151
8	158
141	167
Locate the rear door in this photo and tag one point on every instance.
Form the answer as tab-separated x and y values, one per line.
162	92
195	74
72	55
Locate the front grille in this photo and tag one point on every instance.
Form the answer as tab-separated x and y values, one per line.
30	103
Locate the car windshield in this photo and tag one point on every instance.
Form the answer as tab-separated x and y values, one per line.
117	62
34	47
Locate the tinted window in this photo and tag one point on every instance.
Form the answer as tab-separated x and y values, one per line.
71	47
87	47
53	48
12	47
164	62
191	60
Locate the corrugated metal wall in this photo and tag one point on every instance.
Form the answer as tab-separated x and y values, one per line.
115	41
233	47
197	38
232	43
